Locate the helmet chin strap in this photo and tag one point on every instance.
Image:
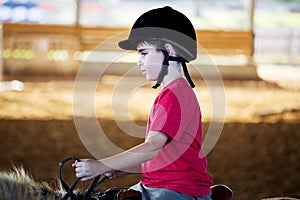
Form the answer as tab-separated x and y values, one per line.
164	70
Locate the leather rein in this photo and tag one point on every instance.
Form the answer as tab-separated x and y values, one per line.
70	194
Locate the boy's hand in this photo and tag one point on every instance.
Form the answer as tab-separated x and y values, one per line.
87	169
115	174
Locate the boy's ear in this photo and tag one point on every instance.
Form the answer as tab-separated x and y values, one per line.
170	49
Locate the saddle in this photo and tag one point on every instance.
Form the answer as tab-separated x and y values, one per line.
219	192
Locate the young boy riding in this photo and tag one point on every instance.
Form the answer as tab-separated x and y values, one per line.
171	161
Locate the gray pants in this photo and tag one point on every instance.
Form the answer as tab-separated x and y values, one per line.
164	194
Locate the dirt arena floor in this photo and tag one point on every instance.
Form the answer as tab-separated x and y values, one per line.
257	154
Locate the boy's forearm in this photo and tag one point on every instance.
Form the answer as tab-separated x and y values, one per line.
129	160
133	170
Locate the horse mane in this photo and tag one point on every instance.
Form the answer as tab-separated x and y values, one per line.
18	184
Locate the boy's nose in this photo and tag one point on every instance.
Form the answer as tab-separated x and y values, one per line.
139	63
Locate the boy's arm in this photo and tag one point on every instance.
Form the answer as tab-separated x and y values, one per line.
135	156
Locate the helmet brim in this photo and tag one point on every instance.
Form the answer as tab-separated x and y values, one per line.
129	44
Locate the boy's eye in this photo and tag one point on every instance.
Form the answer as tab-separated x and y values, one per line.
143	52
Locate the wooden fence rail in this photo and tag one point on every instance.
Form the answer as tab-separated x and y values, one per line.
51	48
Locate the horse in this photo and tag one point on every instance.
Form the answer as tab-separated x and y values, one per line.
17	184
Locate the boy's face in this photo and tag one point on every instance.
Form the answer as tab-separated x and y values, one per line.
150	60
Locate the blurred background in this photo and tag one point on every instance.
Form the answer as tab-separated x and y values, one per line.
253	44
273	23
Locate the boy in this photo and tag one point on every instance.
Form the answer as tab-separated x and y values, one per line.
170	159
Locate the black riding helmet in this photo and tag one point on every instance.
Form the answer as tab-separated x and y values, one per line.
165	25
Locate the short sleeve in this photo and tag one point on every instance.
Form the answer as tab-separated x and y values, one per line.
166	114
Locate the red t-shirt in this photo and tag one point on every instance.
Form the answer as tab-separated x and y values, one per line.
180	165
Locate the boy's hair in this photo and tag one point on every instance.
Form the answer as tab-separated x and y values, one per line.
158	44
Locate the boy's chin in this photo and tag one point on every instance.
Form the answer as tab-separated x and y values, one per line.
151	78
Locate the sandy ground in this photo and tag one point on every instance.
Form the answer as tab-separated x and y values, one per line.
257	154
113	97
